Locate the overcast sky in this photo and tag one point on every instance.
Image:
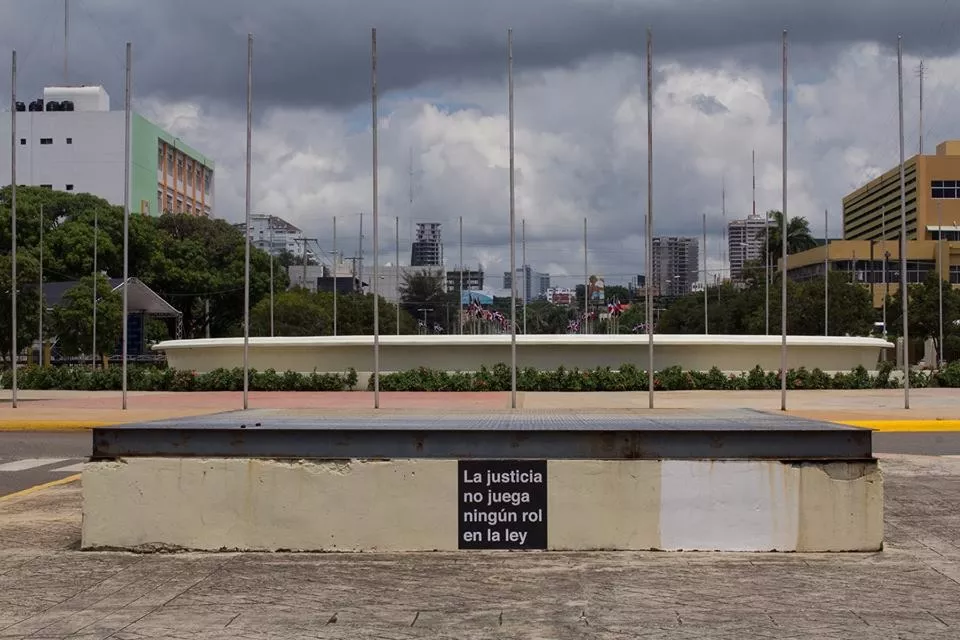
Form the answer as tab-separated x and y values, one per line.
581	146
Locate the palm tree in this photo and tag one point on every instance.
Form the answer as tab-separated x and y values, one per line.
799	237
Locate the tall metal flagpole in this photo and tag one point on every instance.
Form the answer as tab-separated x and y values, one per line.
523	244
460	306
246	258
886	256
397	270
940	279
586	283
649	267
96	237
40	296
783	245
706	315
376	224
13	229
270	222
336	265
513	233
126	223
904	293
826	274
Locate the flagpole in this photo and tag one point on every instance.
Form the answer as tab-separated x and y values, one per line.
126	223
376	224
586	283
706	314
246	258
523	244
336	265
904	293
783	245
513	231
40	297
13	229
649	267
460	304
397	271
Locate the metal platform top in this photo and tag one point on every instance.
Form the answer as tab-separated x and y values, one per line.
277	433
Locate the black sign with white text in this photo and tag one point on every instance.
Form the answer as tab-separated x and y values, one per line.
502	504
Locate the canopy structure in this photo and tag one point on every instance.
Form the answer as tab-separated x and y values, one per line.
142	301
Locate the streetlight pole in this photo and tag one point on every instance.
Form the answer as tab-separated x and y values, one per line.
513	232
904	293
126	224
826	274
246	248
336	266
783	245
706	315
649	266
940	280
13	229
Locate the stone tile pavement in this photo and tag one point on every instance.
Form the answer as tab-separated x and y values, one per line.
49	589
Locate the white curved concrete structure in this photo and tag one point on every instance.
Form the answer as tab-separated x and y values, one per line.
469	352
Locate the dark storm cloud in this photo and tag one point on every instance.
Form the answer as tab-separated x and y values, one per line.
317	51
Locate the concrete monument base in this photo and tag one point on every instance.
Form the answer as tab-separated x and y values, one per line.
262	480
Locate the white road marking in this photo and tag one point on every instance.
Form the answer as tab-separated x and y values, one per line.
30	463
73	468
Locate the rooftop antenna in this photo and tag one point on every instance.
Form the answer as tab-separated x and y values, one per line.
66	40
920	73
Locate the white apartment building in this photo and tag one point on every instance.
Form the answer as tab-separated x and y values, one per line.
675	265
275	235
746	243
70	140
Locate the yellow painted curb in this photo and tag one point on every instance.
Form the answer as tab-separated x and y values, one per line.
51	425
40	487
906	425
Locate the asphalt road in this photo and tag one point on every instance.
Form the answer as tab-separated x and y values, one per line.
29	458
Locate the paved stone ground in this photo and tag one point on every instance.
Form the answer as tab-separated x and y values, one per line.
49	589
80	409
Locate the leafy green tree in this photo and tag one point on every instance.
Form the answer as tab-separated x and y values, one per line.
299	312
28	307
799	237
924	312
73	318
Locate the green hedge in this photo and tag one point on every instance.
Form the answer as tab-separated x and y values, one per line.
626	378
149	378
630	378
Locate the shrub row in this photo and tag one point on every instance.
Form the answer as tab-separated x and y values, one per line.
150	378
627	378
630	378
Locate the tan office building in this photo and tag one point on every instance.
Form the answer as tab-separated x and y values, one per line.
876	263
932	182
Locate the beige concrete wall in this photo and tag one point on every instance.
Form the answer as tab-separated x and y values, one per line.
412	505
469	353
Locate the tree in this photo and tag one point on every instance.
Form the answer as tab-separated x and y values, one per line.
425	290
28	307
73	318
300	312
799	237
924	312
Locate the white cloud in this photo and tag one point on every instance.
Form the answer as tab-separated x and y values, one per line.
580	152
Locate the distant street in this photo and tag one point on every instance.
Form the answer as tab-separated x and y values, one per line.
29	458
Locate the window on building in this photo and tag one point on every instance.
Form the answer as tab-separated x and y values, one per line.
23	141
69	187
160	156
46	186
46	140
169	204
69	140
944	189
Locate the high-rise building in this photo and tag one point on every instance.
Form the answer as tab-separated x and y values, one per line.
746	242
275	235
427	250
472	279
932	186
675	265
533	283
70	140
